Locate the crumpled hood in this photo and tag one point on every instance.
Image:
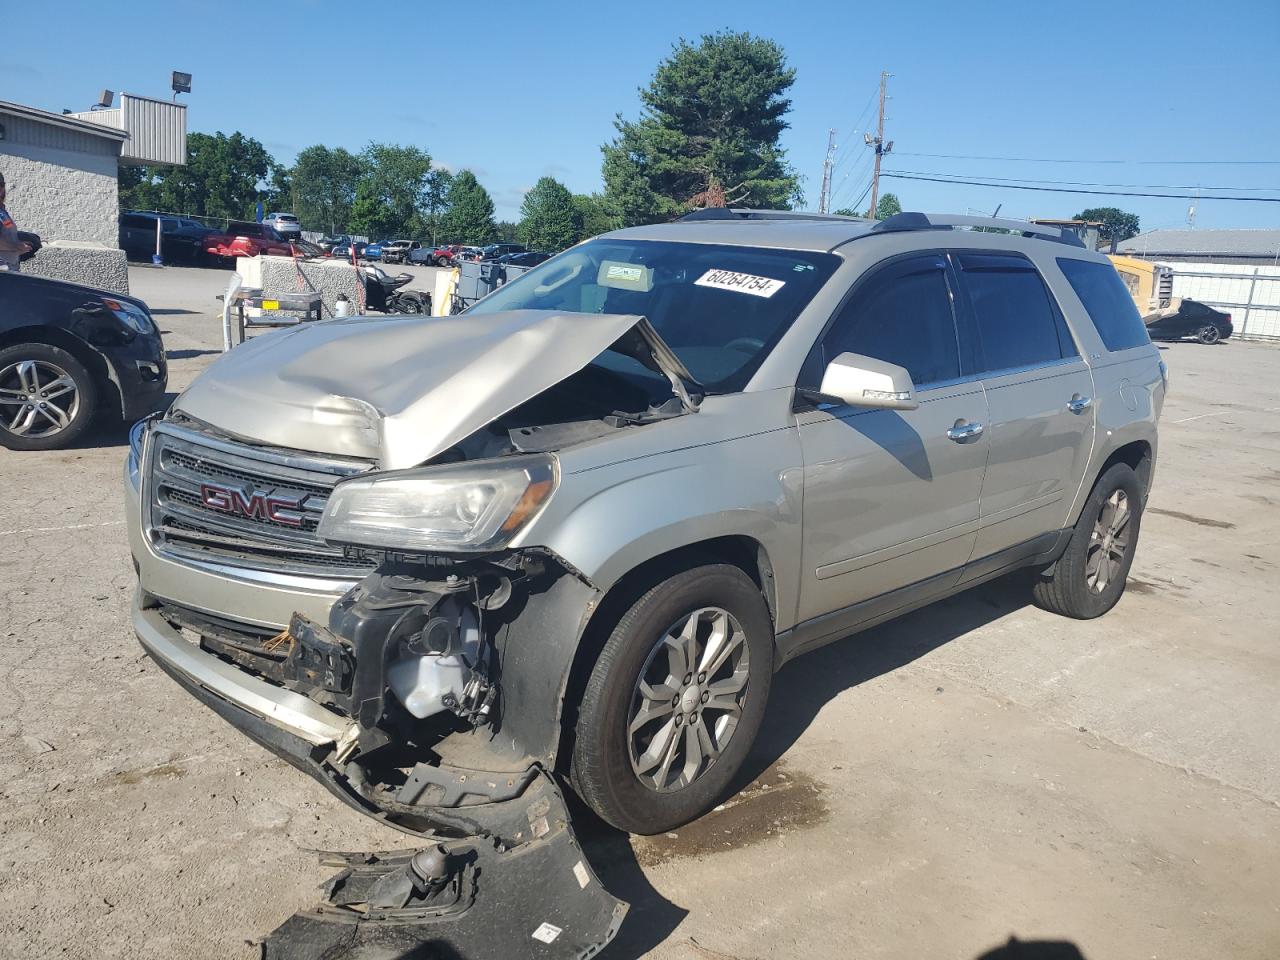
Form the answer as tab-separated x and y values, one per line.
398	389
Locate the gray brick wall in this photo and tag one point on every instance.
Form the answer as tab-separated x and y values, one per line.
329	277
90	265
62	194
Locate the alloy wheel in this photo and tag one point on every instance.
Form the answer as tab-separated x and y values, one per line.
688	700
1108	542
37	399
1209	334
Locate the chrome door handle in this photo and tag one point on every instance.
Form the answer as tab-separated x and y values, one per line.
1079	404
964	431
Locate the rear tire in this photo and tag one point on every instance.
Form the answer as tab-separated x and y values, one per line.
1208	334
659	739
47	397
1089	578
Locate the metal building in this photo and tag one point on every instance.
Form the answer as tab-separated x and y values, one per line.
61	171
1233	270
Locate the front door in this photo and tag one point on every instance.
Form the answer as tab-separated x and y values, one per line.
890	499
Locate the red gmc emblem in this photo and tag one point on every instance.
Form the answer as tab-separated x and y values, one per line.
255	505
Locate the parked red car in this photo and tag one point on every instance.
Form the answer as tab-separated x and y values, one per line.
245	239
443	256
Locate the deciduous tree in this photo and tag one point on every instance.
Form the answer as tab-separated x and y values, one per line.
1117	224
548	219
470	215
324	187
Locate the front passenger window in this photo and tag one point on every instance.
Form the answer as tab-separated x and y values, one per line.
902	314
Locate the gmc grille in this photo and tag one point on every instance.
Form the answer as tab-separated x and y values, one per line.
183	525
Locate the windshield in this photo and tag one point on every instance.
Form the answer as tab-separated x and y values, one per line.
720	308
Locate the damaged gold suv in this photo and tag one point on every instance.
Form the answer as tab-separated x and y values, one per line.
445	564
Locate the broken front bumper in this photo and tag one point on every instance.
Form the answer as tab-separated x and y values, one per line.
210	678
516	884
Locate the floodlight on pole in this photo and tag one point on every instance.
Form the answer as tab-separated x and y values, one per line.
181	83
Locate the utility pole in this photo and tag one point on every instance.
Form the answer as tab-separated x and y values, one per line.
824	198
878	142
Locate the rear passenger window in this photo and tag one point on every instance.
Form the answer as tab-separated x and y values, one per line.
902	315
1017	323
1107	299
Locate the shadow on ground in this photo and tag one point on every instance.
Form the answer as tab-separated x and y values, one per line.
1017	949
112	431
800	691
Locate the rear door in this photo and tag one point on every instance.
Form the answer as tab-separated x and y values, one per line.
1039	391
889	498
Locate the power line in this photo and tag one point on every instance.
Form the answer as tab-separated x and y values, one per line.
1152	163
1080	183
1102	193
857	203
841	154
855	174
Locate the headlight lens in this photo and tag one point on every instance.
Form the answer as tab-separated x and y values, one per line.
133	317
469	507
137	436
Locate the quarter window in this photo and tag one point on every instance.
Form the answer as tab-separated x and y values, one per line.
1017	323
902	315
1109	302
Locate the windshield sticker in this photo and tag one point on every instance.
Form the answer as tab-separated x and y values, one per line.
625	274
740	283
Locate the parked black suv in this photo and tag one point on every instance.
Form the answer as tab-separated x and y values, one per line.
181	238
495	250
67	352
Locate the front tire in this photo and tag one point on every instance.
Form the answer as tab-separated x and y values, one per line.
1089	578
47	397
675	700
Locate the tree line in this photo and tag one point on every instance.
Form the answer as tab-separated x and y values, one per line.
384	191
708	134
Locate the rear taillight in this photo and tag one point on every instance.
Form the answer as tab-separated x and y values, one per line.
1228	318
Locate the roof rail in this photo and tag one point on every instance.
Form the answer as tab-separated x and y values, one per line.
945	221
744	213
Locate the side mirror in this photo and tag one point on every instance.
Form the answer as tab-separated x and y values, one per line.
866	382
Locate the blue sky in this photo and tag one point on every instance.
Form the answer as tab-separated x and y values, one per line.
520	90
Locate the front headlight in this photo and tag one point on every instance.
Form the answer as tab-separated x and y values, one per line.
465	507
133	317
137	437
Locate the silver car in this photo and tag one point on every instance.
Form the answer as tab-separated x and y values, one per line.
572	533
285	224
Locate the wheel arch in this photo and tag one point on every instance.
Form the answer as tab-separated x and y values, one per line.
93	361
1139	456
738	550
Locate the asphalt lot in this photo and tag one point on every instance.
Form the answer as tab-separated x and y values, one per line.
974	771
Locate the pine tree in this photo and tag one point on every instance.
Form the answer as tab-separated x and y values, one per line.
713	116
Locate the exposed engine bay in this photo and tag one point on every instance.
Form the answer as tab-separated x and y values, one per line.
590	403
